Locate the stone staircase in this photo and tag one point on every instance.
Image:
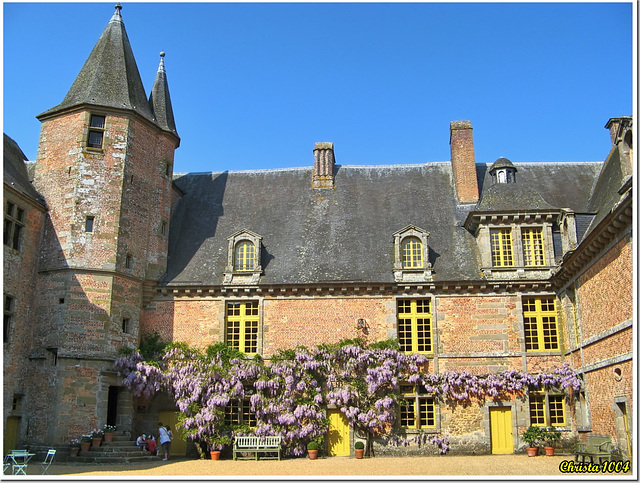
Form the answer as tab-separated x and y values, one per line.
120	450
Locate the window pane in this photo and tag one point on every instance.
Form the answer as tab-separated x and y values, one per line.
532	246
414	325
556	410
536	410
244	256
412	253
540	323
97	121
501	249
95	139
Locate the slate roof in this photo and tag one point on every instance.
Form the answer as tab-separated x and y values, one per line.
15	171
160	100
342	234
110	76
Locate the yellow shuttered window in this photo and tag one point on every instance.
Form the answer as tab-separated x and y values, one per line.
244	256
412	253
540	323
417	411
414	325
501	247
532	247
546	409
242	326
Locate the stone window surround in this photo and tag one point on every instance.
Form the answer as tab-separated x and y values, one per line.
233	276
546	408
401	274
92	129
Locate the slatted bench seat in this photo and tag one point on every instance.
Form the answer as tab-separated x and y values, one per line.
267	445
596	447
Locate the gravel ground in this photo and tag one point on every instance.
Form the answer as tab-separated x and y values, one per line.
328	468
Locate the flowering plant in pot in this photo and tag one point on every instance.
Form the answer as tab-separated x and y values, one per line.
359	449
312	450
216	443
85	442
74	447
108	431
533	437
551	436
96	437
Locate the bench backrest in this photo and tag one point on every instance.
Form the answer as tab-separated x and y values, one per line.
257	441
596	442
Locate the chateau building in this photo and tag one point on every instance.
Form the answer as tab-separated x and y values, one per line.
481	266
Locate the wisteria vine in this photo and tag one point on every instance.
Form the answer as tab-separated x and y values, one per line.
288	395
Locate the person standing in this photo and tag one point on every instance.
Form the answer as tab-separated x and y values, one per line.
165	440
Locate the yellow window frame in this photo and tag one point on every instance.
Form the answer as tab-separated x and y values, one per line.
547	409
540	324
533	246
244	259
501	247
412	253
416	411
415	327
242	329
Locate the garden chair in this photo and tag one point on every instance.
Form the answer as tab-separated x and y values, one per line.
19	459
6	463
48	459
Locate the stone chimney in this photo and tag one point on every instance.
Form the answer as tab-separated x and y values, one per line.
621	133
323	166
463	161
617	127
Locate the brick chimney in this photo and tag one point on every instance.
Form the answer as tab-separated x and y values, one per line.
323	166
463	161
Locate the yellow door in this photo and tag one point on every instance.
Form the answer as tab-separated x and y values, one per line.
11	433
338	434
501	430
178	444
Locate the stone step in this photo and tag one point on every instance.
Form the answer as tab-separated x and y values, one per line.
113	459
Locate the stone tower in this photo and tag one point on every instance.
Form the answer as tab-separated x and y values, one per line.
104	165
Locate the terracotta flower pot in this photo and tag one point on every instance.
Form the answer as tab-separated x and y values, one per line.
84	446
215	455
108	437
73	451
313	454
95	442
359	453
532	451
549	450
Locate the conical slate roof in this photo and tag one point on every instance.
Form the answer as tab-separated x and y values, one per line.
160	101
110	76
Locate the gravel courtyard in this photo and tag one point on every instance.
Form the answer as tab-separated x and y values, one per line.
507	465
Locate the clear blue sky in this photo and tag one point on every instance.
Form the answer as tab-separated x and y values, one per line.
256	85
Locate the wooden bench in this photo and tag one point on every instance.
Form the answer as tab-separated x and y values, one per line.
256	445
598	447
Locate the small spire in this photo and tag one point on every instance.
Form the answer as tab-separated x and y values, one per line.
116	15
161	66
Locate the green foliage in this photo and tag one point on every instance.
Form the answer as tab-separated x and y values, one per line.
359	445
225	352
125	351
152	347
313	445
385	344
534	436
284	355
551	435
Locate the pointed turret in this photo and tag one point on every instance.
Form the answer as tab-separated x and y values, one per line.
160	101
110	76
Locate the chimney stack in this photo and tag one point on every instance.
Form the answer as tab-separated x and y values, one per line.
323	166
463	161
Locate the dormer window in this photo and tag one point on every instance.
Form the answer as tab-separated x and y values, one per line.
244	257
243	261
532	247
411	255
96	131
501	247
503	171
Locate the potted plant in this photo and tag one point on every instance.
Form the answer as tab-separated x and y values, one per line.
551	437
359	450
74	447
96	438
108	432
85	442
312	450
533	437
216	443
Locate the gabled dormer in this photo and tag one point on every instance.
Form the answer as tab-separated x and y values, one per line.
411	255
244	257
516	228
